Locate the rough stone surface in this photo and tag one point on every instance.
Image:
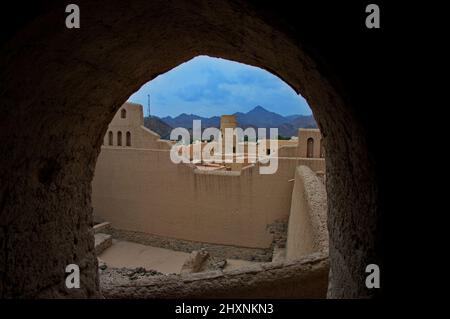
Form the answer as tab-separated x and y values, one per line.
201	260
127	274
195	262
102	242
279	232
303	278
61	88
102	265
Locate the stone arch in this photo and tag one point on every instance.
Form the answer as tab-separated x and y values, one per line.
121	46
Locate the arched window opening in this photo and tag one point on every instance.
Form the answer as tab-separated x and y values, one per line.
217	199
310	148
219	168
119	138
110	138
322	148
128	139
123	113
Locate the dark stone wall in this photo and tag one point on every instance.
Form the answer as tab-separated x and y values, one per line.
303	278
60	88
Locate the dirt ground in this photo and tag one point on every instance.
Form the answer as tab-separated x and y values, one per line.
132	255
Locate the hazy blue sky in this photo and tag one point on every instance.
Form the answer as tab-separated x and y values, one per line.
210	86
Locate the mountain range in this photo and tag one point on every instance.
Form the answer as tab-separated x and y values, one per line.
258	117
155	124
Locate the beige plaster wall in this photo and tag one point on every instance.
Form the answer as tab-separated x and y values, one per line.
288	151
307	228
303	135
142	190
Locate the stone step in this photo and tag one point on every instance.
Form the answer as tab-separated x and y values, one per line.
102	242
102	227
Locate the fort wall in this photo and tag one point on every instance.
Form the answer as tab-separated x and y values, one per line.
307	227
142	190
